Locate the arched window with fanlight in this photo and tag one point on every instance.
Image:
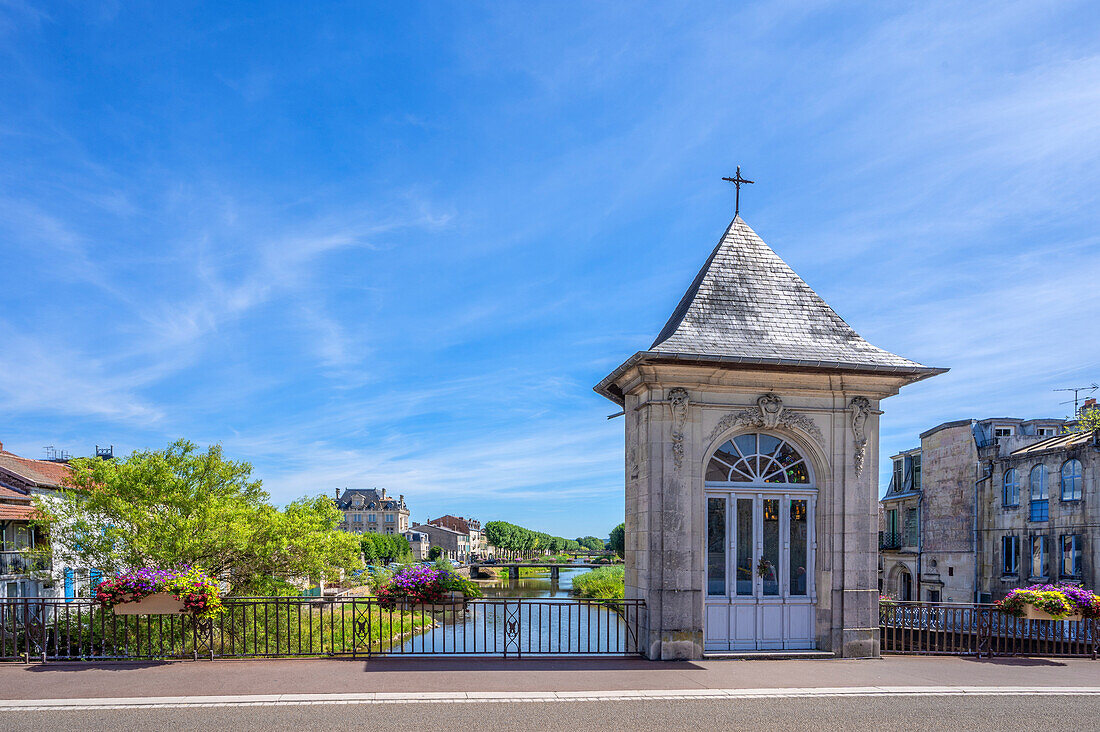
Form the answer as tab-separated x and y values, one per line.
1071	480
758	458
1011	494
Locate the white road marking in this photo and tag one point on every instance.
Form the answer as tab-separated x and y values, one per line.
493	697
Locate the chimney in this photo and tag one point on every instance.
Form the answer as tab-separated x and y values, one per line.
337	494
383	493
401	498
1090	403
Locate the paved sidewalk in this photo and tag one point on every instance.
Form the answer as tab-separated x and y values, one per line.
457	677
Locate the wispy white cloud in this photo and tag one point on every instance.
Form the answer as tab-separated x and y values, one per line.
44	375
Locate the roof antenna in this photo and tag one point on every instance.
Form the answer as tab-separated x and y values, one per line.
1077	390
737	180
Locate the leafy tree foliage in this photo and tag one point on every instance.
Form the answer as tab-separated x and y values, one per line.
385	548
435	553
592	543
181	507
519	540
617	540
1088	420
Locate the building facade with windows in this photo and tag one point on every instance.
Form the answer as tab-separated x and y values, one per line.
1041	514
28	565
419	544
368	510
469	526
936	523
455	545
899	529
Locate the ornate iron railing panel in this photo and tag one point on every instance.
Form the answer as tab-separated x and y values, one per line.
59	629
980	630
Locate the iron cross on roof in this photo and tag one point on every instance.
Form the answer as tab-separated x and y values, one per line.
737	180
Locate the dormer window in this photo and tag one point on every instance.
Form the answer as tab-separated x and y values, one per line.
1003	431
899	474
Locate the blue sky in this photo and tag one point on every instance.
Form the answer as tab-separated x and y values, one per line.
396	245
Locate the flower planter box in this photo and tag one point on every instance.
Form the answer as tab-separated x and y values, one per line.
1034	613
159	603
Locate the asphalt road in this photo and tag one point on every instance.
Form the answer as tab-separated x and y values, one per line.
879	713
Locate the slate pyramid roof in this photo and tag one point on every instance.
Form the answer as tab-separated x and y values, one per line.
748	306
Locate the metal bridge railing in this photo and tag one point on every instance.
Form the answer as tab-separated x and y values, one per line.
59	629
940	628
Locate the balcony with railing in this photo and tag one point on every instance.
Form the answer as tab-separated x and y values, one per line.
889	540
23	562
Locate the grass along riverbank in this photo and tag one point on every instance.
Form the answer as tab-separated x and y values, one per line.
604	583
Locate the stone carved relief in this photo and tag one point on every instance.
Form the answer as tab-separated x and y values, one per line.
678	399
860	407
768	414
771	408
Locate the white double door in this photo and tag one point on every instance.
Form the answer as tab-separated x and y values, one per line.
760	591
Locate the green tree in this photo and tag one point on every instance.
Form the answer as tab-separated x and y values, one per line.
517	540
385	548
435	553
617	540
1088	420
184	507
591	543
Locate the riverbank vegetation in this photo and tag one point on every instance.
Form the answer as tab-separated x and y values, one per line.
530	572
603	583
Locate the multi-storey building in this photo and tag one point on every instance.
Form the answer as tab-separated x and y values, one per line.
1040	514
419	544
455	545
368	510
936	524
469	526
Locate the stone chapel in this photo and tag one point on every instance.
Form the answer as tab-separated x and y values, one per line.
752	465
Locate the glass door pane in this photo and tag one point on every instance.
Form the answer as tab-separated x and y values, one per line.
745	546
768	568
799	537
716	546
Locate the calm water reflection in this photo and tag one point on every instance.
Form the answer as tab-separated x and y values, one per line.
548	625
541	586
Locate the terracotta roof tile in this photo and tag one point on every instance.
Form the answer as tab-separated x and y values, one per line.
11	493
39	472
10	511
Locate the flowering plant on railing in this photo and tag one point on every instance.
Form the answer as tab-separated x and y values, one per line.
198	592
1060	601
885	603
423	585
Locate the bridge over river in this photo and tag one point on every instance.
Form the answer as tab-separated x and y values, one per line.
555	569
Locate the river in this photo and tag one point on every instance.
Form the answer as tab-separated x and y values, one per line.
531	615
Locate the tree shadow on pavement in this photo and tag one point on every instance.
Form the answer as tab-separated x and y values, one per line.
1016	661
70	666
520	665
